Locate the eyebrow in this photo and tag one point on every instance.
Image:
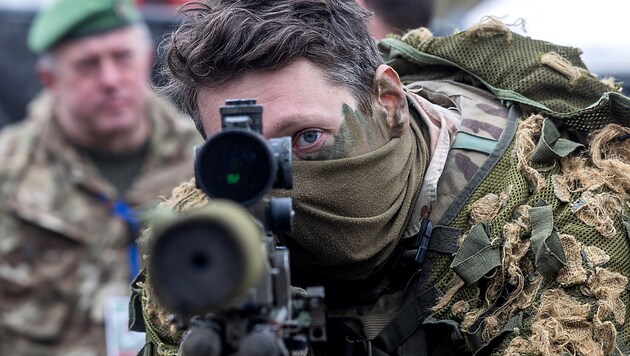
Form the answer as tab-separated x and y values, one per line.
289	122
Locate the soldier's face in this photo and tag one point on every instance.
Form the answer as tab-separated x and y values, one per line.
322	120
100	82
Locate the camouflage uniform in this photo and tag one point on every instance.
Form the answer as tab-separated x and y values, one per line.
529	250
62	249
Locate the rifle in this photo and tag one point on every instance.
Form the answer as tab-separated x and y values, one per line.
219	268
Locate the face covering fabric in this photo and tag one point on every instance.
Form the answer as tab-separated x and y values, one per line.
350	213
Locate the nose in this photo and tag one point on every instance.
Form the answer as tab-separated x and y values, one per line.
109	74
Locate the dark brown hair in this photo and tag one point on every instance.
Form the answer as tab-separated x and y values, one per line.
219	41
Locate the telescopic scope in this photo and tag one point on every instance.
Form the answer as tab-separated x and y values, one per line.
238	163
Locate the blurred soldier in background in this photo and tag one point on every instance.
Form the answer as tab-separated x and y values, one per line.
96	148
398	16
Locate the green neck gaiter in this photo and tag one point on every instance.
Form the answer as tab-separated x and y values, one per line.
350	213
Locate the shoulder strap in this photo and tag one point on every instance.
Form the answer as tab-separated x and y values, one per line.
467	141
405	323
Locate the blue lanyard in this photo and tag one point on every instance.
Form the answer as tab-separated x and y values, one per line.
126	213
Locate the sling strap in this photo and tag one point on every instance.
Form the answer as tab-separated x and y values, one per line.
405	323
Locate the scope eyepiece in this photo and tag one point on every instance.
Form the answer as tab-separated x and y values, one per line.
238	163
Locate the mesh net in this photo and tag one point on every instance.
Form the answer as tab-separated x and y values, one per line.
513	68
565	222
513	64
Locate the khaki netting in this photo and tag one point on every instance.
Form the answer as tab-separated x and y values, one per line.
516	286
550	78
583	310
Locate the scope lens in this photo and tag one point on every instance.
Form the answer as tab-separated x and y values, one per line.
197	267
236	165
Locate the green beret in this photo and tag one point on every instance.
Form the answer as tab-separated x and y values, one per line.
68	19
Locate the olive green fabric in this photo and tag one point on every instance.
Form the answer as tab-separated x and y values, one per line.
476	256
552	146
548	252
66	19
343	229
119	169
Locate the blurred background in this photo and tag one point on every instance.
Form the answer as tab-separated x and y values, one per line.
18	79
598	28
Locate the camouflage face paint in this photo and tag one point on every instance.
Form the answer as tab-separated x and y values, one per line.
357	135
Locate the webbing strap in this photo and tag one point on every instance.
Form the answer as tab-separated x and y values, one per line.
468	141
136	321
405	323
444	239
477	256
449	333
548	251
551	145
416	343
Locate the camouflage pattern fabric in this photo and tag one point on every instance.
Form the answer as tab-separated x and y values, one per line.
62	251
481	115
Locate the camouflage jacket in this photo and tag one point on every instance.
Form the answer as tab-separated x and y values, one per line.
63	251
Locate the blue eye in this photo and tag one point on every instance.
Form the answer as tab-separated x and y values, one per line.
308	138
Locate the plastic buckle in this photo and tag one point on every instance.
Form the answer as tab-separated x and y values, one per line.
422	240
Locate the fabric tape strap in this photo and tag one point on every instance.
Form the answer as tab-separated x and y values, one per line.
477	256
406	322
548	251
450	334
440	238
467	141
551	145
444	239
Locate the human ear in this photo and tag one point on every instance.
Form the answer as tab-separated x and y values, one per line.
46	76
391	98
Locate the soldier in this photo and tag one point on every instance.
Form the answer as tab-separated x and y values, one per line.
452	214
96	149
